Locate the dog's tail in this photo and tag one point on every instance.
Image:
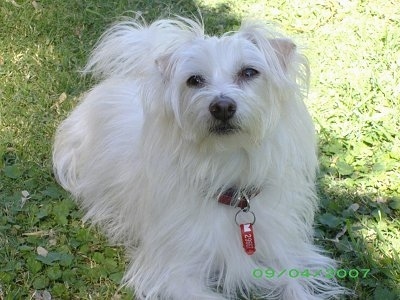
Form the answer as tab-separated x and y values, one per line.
132	49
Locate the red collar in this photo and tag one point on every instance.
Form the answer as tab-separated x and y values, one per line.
237	198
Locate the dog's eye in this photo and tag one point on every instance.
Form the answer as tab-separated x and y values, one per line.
196	81
248	73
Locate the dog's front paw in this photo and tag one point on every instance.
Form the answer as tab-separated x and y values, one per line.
184	292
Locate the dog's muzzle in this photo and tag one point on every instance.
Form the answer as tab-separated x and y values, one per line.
223	108
224	129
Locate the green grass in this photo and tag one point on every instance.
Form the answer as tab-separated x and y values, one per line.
354	52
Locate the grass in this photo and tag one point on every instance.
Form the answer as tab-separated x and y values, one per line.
354	52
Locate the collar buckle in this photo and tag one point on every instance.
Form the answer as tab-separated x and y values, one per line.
238	198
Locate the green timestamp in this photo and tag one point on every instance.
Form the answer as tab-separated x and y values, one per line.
329	273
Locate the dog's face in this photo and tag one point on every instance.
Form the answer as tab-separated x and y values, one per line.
228	88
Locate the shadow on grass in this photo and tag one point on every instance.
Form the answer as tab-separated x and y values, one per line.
361	240
360	230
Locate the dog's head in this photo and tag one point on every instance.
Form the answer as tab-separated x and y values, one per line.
235	85
229	88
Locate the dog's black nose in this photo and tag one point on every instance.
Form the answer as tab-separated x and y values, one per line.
222	108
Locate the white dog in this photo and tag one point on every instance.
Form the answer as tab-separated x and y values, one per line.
199	155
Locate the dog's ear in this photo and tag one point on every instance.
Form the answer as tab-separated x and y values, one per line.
164	65
262	37
284	50
130	48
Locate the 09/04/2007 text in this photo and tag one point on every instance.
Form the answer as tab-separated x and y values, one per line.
296	273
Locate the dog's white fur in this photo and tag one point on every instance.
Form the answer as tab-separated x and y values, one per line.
139	156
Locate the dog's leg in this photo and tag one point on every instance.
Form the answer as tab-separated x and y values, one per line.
178	288
190	288
168	278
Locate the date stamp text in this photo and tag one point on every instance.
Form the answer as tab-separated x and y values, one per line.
329	273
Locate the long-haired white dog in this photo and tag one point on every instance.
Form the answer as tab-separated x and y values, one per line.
199	155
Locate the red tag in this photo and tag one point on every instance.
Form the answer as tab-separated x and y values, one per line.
248	238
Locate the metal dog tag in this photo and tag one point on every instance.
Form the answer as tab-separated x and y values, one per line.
246	229
248	238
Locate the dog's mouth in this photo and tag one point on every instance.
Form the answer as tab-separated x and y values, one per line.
224	129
